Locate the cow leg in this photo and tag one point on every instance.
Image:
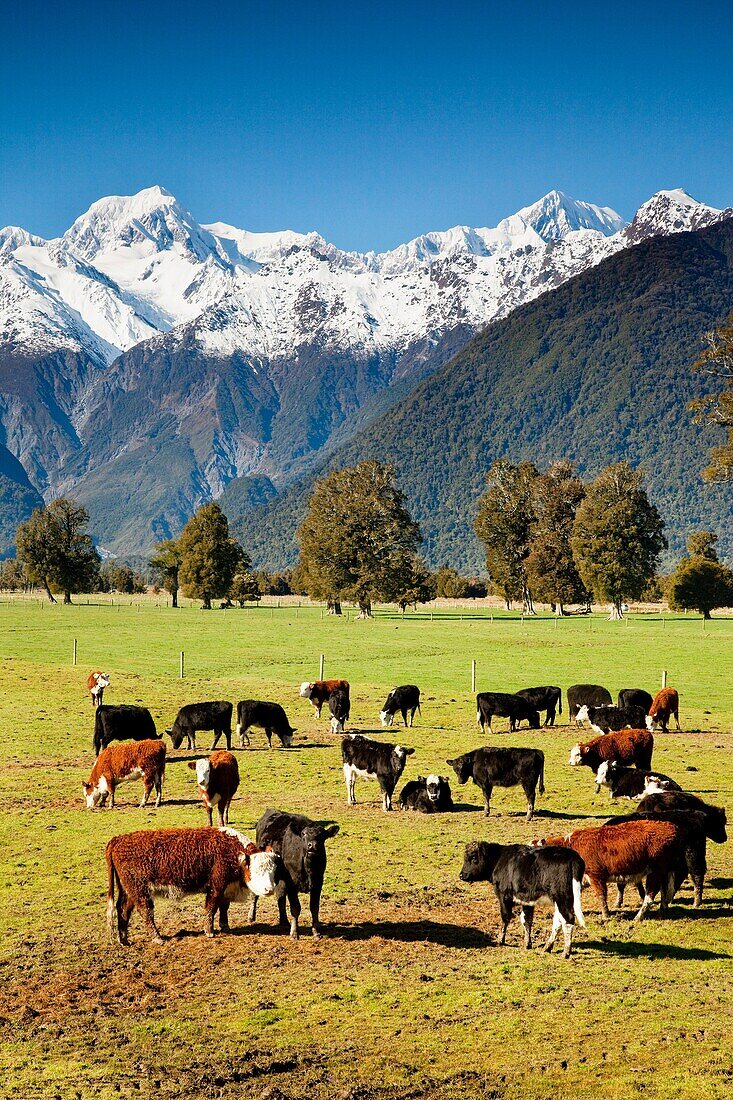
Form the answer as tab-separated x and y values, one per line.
242	731
677	719
213	901
529	792
148	784
228	736
215	742
556	925
600	886
158	789
526	916
487	800
124	911
350	785
253	909
209	812
506	908
291	896
146	911
315	905
268	735
220	815
387	799
224	916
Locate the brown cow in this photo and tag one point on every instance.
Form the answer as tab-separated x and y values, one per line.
117	763
665	704
319	691
96	683
218	780
220	863
632	747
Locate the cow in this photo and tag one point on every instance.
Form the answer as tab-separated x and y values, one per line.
498	767
96	683
371	759
627	746
123	722
513	707
301	845
339	707
592	695
634	697
220	863
427	794
548	699
611	719
632	783
691	860
665	704
218	780
215	715
715	818
525	875
403	700
267	716
118	763
318	691
645	852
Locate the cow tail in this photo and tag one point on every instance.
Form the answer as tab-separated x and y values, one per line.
559	702
542	777
111	876
577	907
97	741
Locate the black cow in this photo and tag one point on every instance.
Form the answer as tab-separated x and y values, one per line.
632	783
339	706
372	760
492	767
634	697
301	844
715	819
513	707
401	699
525	875
589	695
610	719
267	716
123	722
692	859
427	795
215	715
544	698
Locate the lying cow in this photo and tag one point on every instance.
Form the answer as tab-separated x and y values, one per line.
339	708
318	691
691	862
123	722
611	719
493	767
220	863
591	695
548	699
119	763
513	707
218	781
666	704
402	700
427	794
96	683
627	746
521	874
267	716
715	818
634	697
301	844
632	783
215	715
372	760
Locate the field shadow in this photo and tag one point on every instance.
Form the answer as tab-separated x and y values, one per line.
631	950
560	816
437	932
181	802
720	883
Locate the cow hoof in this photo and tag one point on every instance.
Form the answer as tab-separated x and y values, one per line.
224	928
316	934
547	948
566	954
158	939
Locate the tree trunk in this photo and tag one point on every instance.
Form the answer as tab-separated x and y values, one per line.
365	609
334	607
49	593
67	597
527	604
559	609
616	612
174	598
706	614
206	606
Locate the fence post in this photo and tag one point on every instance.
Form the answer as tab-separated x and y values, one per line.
182	668
74	661
664	677
473	676
321	666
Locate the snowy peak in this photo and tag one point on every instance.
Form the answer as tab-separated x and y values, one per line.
556	215
671	212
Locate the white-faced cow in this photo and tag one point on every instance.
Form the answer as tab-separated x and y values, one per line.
96	683
427	794
120	763
319	691
339	707
401	700
611	719
372	760
267	716
218	782
632	783
491	767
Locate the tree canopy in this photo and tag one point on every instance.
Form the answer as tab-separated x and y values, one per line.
700	581
551	570
717	360
209	557
504	524
56	549
166	563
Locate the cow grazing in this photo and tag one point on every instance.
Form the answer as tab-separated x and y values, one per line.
632	783
267	716
611	719
591	695
634	697
220	863
401	700
339	707
666	703
548	699
513	707
118	763
218	780
123	722
691	861
525	875
215	715
627	746
96	683
715	818
427	794
301	845
372	760
494	767
319	691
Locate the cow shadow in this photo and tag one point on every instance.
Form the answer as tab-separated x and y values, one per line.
559	815
422	931
180	802
720	883
633	950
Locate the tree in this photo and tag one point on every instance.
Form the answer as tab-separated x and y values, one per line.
700	580
166	562
551	570
209	557
56	549
449	585
617	536
701	544
413	582
245	588
504	525
356	537
717	409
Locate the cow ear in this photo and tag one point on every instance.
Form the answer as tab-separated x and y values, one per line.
409	752
192	765
331	830
451	762
244	859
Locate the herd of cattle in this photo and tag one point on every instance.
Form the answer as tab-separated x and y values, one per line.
656	848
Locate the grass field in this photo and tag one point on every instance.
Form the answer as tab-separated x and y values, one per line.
407	996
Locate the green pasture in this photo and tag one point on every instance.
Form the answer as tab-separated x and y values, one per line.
407	996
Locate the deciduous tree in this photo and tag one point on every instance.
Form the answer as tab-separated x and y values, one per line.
56	550
701	581
551	570
717	409
504	525
209	557
166	562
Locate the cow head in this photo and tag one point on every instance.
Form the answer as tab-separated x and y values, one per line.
175	735
314	839
650	723
203	772
386	718
605	772
582	715
534	720
432	786
399	755
95	794
287	737
337	725
260	867
576	755
463	767
479	861
306	689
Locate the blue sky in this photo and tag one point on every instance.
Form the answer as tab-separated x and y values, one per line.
368	122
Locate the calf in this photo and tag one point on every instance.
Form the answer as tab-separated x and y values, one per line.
96	683
665	704
301	844
635	697
431	795
548	699
492	767
592	695
372	760
220	863
123	722
691	860
318	691
715	819
218	780
525	875
340	709
627	746
632	783
215	715
611	719
513	707
142	760
267	716
401	699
